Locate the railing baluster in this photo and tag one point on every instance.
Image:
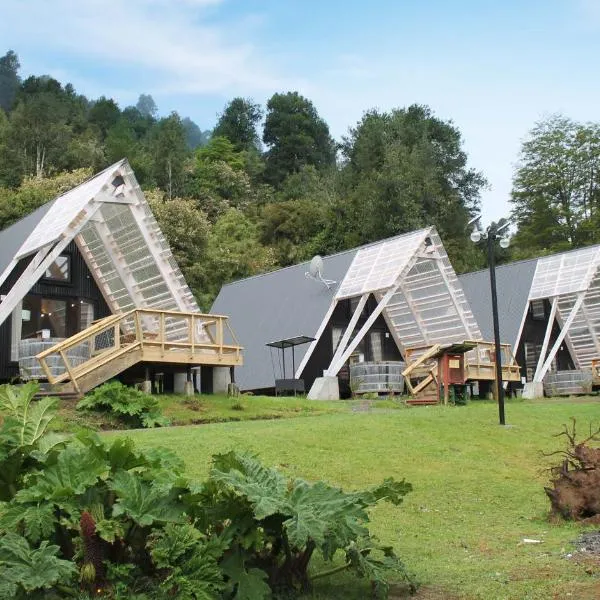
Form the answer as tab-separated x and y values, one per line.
69	371
192	334
161	332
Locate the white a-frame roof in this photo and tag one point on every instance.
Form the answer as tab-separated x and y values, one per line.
110	221
417	293
571	282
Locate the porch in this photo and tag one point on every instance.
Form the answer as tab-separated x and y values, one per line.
141	336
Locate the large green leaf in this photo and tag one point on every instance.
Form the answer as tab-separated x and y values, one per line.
75	470
323	513
265	488
376	563
390	490
29	568
144	502
249	584
37	520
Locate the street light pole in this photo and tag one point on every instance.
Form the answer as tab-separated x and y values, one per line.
491	248
493	233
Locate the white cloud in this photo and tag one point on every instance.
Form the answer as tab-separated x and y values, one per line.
172	41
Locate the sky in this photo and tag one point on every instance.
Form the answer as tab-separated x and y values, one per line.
492	67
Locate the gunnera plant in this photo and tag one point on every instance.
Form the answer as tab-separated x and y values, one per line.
133	407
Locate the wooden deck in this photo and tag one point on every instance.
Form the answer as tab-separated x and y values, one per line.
119	342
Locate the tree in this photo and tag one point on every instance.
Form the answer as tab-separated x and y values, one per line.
295	136
239	122
234	251
403	170
194	136
169	151
556	187
104	113
146	106
9	80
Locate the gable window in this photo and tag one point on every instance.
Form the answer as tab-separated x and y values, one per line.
60	269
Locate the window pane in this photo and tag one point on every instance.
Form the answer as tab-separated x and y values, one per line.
54	317
60	269
87	314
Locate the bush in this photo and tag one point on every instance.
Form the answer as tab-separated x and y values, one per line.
133	407
82	517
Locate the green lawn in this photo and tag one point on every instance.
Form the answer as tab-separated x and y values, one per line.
182	410
185	410
478	489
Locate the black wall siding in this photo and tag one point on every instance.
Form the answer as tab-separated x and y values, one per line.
82	286
323	352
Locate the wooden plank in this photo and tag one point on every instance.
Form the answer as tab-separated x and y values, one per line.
421	360
69	371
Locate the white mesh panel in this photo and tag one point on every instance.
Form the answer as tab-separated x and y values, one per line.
63	211
378	266
564	273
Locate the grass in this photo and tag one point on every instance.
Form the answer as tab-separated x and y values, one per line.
478	489
202	409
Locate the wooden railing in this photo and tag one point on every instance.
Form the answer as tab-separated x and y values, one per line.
158	336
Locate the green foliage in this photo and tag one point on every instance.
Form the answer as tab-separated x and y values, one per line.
238	123
25	439
108	519
556	188
26	570
277	524
132	406
295	136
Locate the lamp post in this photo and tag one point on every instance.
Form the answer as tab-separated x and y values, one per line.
492	234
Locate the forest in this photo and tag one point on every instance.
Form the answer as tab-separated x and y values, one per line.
268	186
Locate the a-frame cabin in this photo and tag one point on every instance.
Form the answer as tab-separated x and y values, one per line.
90	290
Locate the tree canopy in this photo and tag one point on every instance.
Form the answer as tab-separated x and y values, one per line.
556	188
296	136
230	207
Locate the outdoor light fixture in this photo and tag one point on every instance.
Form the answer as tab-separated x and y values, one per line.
493	233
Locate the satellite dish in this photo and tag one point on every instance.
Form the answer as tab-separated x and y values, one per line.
315	271
316	267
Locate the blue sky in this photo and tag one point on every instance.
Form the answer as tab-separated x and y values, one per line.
492	67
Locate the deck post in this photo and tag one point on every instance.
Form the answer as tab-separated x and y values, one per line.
147	385
189	386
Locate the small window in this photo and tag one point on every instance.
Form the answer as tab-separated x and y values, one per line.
538	310
60	269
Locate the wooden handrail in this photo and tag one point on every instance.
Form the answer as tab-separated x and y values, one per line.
97	327
153	336
177	313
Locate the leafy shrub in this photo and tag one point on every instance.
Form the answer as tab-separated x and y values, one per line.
82	517
133	407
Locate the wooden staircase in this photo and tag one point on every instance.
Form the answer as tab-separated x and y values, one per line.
421	378
118	342
421	374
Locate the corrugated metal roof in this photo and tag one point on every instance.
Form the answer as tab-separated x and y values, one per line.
513	282
277	305
13	237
